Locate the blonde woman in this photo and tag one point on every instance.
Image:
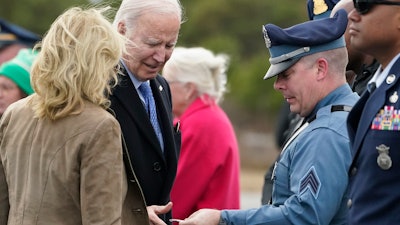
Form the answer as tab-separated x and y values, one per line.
60	150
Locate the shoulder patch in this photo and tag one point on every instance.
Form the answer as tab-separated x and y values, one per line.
310	182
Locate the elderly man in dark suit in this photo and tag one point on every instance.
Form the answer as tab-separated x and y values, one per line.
142	103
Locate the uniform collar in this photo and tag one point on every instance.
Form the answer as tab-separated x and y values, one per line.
380	75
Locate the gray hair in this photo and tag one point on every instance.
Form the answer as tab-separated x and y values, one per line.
337	59
201	67
130	10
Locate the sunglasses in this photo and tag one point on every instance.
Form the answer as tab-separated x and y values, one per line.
363	6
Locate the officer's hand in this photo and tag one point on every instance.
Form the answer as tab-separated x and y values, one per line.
203	217
155	210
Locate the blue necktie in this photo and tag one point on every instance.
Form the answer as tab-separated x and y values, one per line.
150	105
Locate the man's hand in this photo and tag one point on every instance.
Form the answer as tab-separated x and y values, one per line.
203	217
154	210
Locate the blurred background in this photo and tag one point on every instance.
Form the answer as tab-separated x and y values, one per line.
224	26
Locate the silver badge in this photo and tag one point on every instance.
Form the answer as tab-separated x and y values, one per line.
394	97
390	78
266	38
384	161
160	88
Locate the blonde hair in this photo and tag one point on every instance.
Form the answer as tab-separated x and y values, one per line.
77	62
200	66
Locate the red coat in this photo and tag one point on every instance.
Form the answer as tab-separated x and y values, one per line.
208	167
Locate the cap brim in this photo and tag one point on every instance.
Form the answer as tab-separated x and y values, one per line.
278	68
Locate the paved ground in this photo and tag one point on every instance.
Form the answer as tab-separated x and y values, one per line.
257	152
251	187
250	199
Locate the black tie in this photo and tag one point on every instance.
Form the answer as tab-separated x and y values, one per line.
371	87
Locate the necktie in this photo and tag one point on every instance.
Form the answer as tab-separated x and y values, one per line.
371	87
150	105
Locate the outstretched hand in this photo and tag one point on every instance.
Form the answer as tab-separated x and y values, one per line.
203	217
154	210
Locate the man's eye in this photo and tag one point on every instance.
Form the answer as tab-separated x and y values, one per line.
285	75
170	46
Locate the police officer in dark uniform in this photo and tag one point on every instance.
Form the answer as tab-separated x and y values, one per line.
374	124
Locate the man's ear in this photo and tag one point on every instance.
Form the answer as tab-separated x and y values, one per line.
322	67
121	28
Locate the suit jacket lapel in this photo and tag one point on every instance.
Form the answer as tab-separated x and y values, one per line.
162	113
160	94
372	106
354	115
134	107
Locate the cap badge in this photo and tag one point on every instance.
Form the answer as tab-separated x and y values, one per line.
320	7
384	161
266	38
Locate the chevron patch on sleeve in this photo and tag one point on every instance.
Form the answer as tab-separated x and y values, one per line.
310	182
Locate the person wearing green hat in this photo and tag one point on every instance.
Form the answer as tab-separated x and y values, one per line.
15	78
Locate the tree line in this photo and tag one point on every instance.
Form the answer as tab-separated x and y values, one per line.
226	26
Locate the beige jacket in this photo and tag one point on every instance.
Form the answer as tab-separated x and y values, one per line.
66	172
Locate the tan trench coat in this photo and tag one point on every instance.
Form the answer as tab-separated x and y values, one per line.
68	171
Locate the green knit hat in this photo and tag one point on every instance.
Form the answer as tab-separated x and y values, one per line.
18	69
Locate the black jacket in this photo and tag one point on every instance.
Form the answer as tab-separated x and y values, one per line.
155	170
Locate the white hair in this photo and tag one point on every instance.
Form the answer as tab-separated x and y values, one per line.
201	67
130	10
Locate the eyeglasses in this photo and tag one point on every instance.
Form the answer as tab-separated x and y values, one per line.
363	6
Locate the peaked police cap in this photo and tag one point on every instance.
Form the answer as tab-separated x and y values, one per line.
287	46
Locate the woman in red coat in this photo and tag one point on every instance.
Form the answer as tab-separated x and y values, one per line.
208	166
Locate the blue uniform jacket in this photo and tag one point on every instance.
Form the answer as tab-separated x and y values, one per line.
310	178
373	125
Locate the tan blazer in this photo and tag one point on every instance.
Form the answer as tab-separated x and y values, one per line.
68	171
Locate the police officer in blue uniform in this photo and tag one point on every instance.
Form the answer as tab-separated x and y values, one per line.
288	121
310	178
373	123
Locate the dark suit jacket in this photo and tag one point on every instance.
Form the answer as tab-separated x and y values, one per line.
374	192
154	169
